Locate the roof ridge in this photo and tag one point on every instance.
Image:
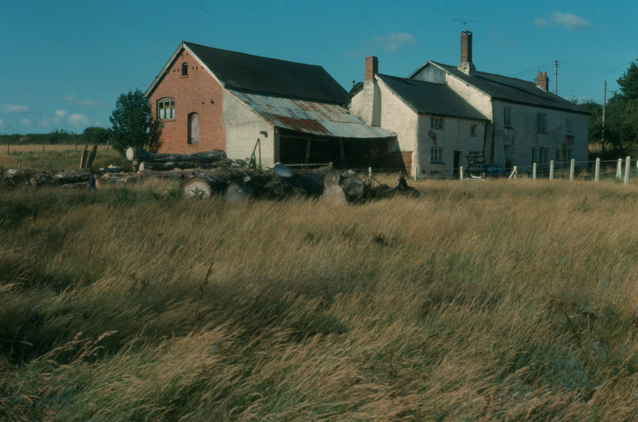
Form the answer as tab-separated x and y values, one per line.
250	55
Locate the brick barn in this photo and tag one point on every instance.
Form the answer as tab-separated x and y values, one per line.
210	98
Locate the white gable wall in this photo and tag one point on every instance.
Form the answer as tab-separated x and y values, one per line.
242	130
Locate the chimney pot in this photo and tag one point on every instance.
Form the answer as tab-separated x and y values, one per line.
372	67
542	81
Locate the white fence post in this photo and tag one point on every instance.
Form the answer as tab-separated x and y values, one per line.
415	173
619	169
597	171
551	170
627	169
534	171
572	167
370	172
461	172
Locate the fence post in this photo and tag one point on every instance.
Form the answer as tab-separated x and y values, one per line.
534	171
461	172
8	148
572	167
627	169
42	146
619	169
76	145
551	170
597	171
415	173
370	172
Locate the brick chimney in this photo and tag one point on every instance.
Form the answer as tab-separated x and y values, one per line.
372	67
542	81
466	65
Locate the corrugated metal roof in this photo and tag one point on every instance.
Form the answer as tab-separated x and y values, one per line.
310	117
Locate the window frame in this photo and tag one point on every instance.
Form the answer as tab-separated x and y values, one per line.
541	123
473	130
569	126
436	122
185	70
507	117
161	108
436	152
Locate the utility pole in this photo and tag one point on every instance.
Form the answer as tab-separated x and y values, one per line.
555	76
604	104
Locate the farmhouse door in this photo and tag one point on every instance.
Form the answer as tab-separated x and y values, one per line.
193	128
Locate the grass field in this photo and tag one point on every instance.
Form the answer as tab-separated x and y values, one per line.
54	157
505	300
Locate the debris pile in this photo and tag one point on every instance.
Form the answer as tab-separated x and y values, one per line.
207	173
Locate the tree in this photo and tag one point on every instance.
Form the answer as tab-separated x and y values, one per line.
133	124
628	83
96	135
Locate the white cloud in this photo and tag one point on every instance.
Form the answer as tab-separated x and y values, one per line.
13	108
81	121
60	113
567	20
69	99
90	103
52	121
391	42
26	122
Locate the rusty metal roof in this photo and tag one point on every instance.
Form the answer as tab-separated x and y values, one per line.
309	117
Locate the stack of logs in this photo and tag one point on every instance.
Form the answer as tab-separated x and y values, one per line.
207	173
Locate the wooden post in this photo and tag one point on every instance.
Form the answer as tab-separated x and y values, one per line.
627	169
370	172
597	171
572	167
42	146
461	173
89	163
415	173
551	170
308	151
534	171
619	169
8	147
515	172
83	159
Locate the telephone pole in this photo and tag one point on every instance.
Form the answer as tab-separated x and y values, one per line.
604	104
555	76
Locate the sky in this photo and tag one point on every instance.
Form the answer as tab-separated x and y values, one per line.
65	62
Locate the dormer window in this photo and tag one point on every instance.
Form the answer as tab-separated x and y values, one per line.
184	69
166	109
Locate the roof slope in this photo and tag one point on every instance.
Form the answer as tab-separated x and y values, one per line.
510	89
311	117
431	98
246	72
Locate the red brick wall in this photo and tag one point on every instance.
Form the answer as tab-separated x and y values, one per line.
192	94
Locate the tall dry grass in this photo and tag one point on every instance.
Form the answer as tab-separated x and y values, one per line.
504	300
54	157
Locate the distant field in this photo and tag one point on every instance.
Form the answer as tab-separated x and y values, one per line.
54	157
509	300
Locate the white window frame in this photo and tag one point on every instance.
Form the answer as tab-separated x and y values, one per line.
166	108
507	116
541	123
569	126
436	122
436	154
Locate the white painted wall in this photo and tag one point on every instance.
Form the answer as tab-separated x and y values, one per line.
242	130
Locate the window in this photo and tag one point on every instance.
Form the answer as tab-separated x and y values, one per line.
472	130
165	109
541	123
437	155
436	122
193	128
507	117
184	69
568	126
540	155
568	155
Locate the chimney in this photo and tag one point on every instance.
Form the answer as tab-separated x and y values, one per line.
372	67
466	65
542	81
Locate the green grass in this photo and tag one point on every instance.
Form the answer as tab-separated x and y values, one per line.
503	300
56	157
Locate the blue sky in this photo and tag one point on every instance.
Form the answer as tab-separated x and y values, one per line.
65	62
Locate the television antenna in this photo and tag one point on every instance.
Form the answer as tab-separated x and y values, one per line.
465	21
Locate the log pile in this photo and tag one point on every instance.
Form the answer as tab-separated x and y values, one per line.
208	173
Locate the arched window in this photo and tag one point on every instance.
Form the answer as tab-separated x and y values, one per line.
193	128
166	109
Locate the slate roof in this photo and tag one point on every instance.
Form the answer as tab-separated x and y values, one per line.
510	89
250	73
311	117
431	98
